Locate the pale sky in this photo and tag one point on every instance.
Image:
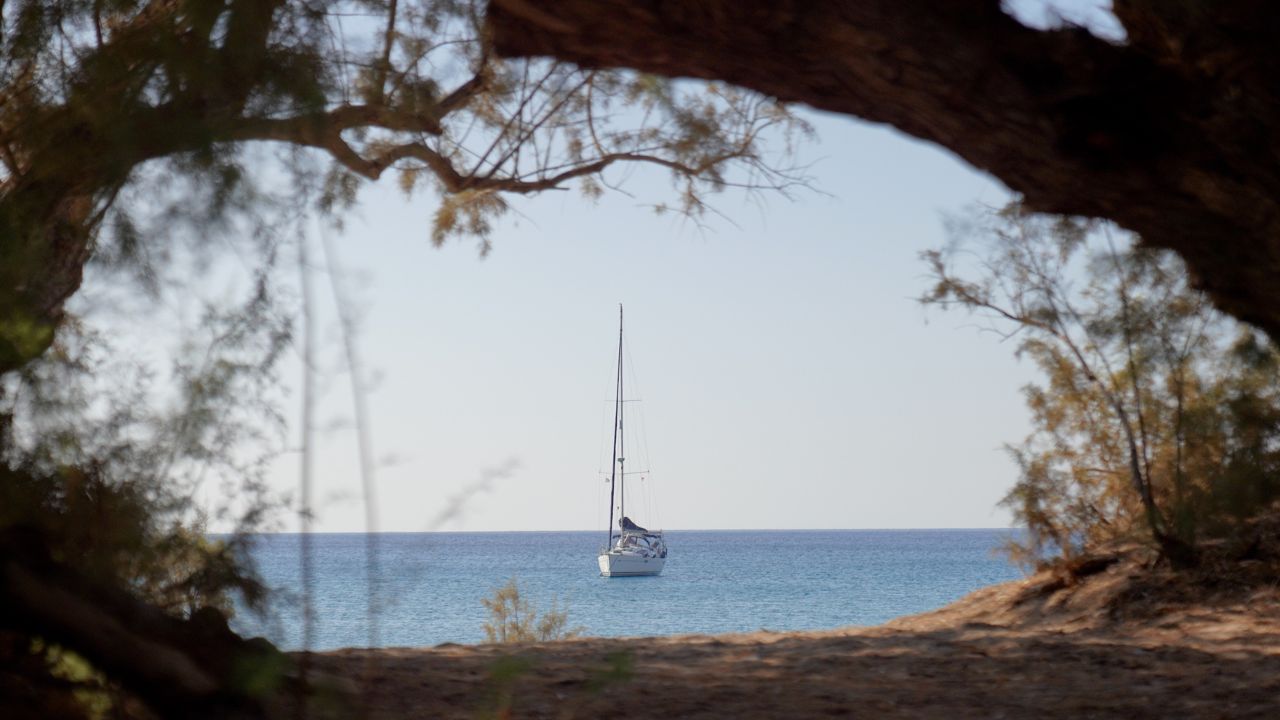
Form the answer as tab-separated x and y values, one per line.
788	378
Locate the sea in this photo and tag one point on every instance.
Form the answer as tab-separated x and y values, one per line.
422	589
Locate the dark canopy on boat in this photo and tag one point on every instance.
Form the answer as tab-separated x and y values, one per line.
626	524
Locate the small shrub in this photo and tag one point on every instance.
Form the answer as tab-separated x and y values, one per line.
513	619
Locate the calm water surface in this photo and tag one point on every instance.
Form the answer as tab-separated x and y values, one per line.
430	584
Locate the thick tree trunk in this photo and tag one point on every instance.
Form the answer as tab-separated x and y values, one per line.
193	668
1171	135
66	161
44	242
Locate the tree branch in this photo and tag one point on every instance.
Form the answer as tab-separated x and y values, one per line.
181	668
1155	138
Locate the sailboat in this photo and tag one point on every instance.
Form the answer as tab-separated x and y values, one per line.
632	550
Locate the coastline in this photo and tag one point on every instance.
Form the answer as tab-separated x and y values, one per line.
430	586
1122	642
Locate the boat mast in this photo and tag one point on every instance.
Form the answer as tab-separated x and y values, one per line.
617	426
622	435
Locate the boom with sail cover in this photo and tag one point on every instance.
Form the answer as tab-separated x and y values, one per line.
626	524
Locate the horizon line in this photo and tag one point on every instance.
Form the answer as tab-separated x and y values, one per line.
425	532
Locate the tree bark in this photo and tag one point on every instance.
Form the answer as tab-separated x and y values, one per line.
194	668
1170	135
52	198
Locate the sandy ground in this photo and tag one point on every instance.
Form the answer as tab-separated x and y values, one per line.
1019	650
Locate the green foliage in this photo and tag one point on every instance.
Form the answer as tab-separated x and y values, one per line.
256	675
514	619
621	669
99	90
104	471
133	133
73	688
1158	418
22	336
101	460
504	674
127	127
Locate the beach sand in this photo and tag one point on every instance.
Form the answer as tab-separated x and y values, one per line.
1120	643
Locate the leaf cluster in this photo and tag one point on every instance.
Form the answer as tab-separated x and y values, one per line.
103	457
128	124
1157	419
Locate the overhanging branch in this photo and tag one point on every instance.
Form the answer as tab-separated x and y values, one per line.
1170	145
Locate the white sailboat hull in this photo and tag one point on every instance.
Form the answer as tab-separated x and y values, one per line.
632	550
628	565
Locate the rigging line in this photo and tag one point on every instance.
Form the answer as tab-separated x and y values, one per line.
642	431
622	432
640	435
617	410
597	506
364	443
625	350
604	415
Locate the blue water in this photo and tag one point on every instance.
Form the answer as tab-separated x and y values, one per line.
430	584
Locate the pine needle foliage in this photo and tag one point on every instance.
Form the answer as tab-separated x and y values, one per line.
1157	418
101	100
134	132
